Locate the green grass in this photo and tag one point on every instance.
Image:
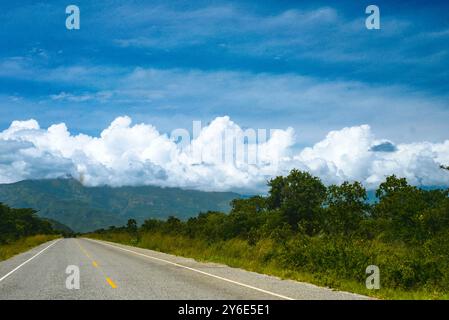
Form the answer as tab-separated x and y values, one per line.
9	250
260	258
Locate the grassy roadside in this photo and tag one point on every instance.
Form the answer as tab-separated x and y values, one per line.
9	250
238	253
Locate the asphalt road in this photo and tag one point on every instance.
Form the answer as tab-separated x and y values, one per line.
113	271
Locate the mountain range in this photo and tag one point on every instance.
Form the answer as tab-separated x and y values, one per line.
83	208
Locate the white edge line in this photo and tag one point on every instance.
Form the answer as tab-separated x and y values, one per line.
24	263
194	270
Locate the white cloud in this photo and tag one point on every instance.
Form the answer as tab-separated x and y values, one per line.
138	154
100	96
348	155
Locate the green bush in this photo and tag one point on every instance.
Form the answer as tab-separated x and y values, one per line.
20	223
328	235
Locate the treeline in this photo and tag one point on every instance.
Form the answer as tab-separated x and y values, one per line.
331	232
20	223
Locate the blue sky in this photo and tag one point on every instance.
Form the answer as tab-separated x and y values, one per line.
310	65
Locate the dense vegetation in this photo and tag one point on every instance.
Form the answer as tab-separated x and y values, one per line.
328	235
21	229
20	223
87	208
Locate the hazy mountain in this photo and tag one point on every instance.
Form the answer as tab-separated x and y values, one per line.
87	208
58	226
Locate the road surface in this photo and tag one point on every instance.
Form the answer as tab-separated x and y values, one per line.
113	271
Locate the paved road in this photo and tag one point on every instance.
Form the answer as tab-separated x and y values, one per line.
112	271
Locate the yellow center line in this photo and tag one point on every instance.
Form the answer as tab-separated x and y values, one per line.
95	264
84	250
111	283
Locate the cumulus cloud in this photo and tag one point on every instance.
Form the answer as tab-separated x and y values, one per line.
138	154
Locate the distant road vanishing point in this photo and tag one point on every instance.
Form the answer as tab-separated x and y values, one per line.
113	271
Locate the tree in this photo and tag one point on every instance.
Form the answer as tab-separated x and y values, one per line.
254	204
301	198
346	208
274	198
391	186
399	211
436	219
210	226
18	223
151	225
131	226
173	225
245	217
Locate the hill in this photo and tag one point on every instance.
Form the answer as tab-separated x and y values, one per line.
88	208
59	227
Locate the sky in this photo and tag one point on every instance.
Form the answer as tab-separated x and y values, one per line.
100	102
